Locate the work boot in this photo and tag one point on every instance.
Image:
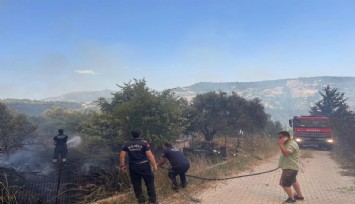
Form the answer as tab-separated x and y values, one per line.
64	160
176	189
54	160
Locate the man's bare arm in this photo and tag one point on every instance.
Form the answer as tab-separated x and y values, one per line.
123	161
123	158
152	159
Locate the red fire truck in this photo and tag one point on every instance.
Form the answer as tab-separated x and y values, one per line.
312	131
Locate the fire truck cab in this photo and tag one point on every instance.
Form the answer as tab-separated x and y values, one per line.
312	131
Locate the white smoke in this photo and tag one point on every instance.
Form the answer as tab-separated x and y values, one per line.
74	142
30	158
34	157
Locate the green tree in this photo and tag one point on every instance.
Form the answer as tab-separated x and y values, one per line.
100	125
332	101
273	128
13	128
158	115
247	115
214	112
209	114
333	105
58	117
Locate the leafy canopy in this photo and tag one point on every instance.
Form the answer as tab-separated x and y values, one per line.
157	114
332	101
13	128
214	112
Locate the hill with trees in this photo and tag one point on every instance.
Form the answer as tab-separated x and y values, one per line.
38	107
282	98
160	115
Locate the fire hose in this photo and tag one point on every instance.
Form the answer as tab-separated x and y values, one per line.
228	178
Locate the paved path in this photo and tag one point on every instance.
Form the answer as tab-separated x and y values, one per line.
320	180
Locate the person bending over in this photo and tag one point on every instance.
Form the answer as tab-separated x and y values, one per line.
179	164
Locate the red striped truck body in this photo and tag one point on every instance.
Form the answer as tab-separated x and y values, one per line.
312	131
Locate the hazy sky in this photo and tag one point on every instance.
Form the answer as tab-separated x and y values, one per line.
50	47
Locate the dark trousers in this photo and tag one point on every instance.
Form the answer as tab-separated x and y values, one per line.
60	150
137	172
181	171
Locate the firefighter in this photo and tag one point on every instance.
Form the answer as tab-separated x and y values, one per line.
139	155
179	164
60	142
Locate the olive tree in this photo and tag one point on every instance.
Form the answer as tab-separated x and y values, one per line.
158	115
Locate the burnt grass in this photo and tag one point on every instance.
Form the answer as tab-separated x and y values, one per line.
79	180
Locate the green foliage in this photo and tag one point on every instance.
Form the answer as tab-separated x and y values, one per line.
273	128
247	115
213	112
13	128
161	116
332	101
57	117
333	104
209	114
36	108
157	114
100	124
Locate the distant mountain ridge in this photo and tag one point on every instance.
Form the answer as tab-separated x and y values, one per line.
282	98
82	96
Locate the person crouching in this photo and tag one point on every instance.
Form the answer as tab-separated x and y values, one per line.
179	164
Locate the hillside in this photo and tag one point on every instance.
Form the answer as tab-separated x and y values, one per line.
282	98
76	101
36	108
82	96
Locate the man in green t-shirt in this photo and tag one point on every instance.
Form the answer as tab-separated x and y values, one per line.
289	163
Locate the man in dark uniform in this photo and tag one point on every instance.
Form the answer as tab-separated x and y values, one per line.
60	142
139	155
179	164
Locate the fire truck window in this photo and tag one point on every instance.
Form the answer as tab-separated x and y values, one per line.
311	123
